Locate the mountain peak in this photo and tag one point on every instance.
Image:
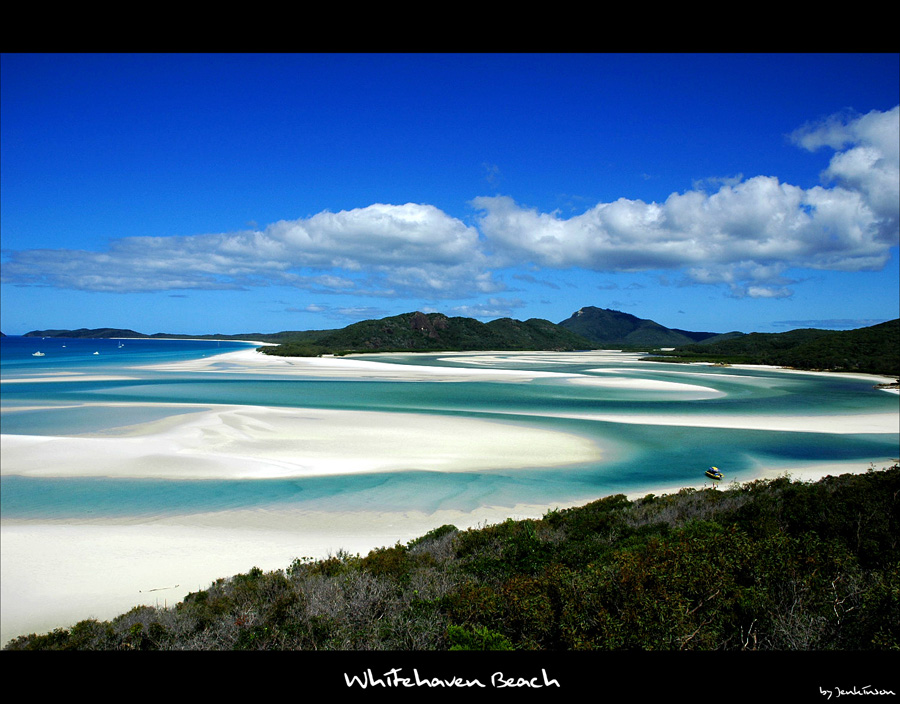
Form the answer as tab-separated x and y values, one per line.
608	327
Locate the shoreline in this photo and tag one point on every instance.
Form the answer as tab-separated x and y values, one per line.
254	362
60	571
110	566
250	360
351	363
256	343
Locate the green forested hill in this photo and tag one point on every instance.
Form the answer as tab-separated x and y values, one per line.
774	565
421	332
91	333
873	350
605	328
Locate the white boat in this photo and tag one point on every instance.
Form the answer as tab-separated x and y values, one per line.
37	354
96	353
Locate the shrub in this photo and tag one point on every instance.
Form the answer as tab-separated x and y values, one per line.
478	638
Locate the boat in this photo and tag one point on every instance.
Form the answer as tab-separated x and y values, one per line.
714	473
37	354
96	353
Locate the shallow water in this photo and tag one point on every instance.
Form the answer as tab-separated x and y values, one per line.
634	455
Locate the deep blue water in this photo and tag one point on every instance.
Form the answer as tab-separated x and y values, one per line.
635	455
16	353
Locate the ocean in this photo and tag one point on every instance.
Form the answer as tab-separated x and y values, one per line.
650	422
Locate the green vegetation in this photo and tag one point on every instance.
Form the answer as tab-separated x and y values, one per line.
107	333
769	565
612	328
418	332
871	350
98	333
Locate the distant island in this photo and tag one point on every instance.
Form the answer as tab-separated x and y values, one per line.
873	350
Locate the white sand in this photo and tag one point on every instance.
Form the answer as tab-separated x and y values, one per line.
633	383
251	361
252	442
69	571
480	367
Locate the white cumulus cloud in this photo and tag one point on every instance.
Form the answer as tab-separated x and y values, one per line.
746	233
380	249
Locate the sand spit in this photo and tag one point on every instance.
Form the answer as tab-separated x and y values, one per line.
628	382
478	367
474	366
254	362
251	442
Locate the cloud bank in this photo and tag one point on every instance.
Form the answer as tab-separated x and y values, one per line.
377	250
746	235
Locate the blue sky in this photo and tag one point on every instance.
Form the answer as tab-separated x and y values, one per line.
255	193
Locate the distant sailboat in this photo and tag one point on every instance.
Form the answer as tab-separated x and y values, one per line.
37	354
96	353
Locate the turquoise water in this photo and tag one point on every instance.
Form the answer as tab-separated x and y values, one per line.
634	455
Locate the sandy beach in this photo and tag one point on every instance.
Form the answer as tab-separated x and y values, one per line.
56	573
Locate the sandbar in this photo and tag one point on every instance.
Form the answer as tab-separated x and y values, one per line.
253	442
473	366
638	384
478	367
253	362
